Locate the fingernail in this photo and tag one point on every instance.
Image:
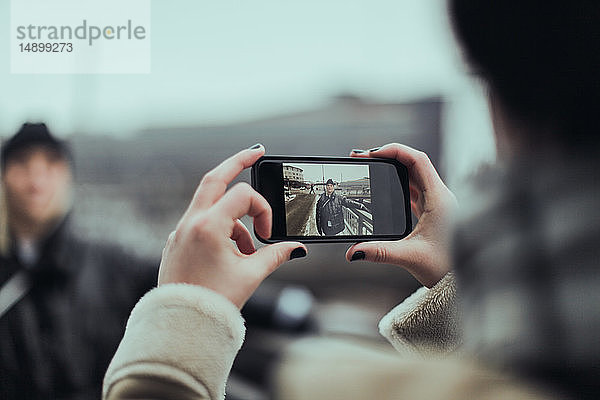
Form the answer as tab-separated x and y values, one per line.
358	151
256	146
374	149
358	255
298	252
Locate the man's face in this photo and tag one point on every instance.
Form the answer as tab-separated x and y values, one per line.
38	184
329	188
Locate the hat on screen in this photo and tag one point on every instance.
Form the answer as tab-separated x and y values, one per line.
329	182
33	135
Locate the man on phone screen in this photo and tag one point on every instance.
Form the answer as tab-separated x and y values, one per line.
330	217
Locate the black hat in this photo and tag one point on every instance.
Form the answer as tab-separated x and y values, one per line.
329	181
33	135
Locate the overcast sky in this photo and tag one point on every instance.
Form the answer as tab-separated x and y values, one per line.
227	61
230	60
337	172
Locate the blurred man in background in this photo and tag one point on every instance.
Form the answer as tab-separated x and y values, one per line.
62	312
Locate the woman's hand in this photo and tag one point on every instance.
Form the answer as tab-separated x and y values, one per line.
211	247
425	253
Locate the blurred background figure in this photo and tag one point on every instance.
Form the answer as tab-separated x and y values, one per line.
61	311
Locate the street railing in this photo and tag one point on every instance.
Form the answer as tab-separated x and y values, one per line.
358	222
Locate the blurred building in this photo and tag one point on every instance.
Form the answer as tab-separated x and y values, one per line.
356	187
144	183
158	169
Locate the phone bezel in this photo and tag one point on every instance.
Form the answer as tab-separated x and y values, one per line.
278	204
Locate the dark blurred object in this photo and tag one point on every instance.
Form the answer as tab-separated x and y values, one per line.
527	261
276	314
280	307
33	135
542	60
275	310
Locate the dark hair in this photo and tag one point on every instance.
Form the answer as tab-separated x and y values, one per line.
541	58
33	134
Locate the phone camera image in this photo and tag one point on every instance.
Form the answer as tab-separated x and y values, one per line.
327	199
334	199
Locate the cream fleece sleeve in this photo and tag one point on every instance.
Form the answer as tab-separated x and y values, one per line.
180	342
426	322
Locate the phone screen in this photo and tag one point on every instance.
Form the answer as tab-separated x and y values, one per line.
335	199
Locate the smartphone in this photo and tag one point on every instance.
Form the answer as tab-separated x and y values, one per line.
334	199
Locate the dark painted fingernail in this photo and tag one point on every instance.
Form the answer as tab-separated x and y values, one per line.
374	149
298	252
358	255
256	146
358	151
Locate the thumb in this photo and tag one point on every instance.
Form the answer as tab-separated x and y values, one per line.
420	259
399	253
273	255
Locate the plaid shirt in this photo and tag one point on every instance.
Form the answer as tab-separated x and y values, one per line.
527	256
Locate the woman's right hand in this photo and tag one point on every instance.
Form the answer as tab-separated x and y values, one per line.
211	247
425	253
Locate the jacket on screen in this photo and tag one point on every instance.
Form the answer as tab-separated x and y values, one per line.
329	213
